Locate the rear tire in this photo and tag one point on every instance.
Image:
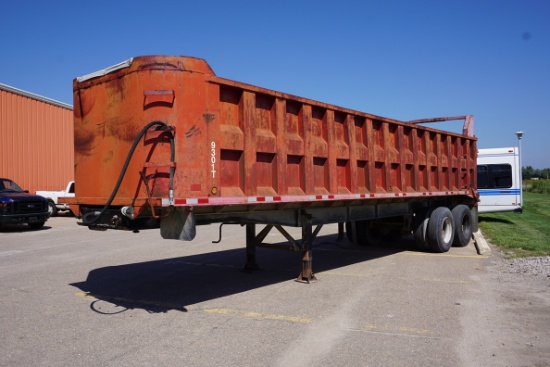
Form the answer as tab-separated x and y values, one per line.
440	233
420	227
462	218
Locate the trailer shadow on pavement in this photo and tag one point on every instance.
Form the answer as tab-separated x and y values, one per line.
174	283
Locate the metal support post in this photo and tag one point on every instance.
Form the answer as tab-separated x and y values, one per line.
307	276
250	264
340	231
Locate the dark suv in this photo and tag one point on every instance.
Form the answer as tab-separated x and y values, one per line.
18	206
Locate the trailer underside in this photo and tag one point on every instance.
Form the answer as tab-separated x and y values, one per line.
365	222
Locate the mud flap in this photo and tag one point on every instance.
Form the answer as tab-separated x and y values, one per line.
178	225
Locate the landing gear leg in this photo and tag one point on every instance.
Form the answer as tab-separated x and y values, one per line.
250	264
307	276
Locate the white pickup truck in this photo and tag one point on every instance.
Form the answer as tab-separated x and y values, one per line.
53	198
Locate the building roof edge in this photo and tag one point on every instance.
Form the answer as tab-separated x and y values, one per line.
34	96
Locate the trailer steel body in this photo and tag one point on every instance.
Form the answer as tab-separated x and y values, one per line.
161	141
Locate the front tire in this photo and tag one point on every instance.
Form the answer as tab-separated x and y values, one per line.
440	233
52	209
37	225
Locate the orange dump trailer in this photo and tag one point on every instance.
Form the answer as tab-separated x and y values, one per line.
162	142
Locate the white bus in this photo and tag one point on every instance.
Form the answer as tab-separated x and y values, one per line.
499	180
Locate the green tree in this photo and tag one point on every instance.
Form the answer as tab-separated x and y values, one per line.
527	172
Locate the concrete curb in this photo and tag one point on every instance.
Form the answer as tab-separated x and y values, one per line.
481	244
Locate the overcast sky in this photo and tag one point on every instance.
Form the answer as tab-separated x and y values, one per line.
399	59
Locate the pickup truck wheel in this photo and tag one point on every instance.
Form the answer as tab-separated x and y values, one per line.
462	218
37	225
52	209
440	233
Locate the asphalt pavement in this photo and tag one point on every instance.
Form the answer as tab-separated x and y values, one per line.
70	296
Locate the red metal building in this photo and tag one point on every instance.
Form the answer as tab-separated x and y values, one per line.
36	140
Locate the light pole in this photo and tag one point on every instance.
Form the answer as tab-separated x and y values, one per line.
520	135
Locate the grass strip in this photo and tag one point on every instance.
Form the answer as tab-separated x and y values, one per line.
522	235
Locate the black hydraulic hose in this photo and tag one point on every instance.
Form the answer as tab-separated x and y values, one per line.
86	217
172	167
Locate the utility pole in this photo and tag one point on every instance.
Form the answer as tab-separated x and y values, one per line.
520	135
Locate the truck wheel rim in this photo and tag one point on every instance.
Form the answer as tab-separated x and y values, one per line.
447	230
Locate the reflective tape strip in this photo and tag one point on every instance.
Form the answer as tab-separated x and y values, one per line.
217	200
264	199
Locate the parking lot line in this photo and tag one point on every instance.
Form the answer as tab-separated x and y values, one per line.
220	311
259	315
403	331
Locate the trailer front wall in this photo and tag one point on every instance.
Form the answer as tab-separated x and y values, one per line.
235	140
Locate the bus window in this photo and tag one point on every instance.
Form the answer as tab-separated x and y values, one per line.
502	175
482	177
494	176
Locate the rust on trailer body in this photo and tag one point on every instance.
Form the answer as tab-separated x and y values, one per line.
241	145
